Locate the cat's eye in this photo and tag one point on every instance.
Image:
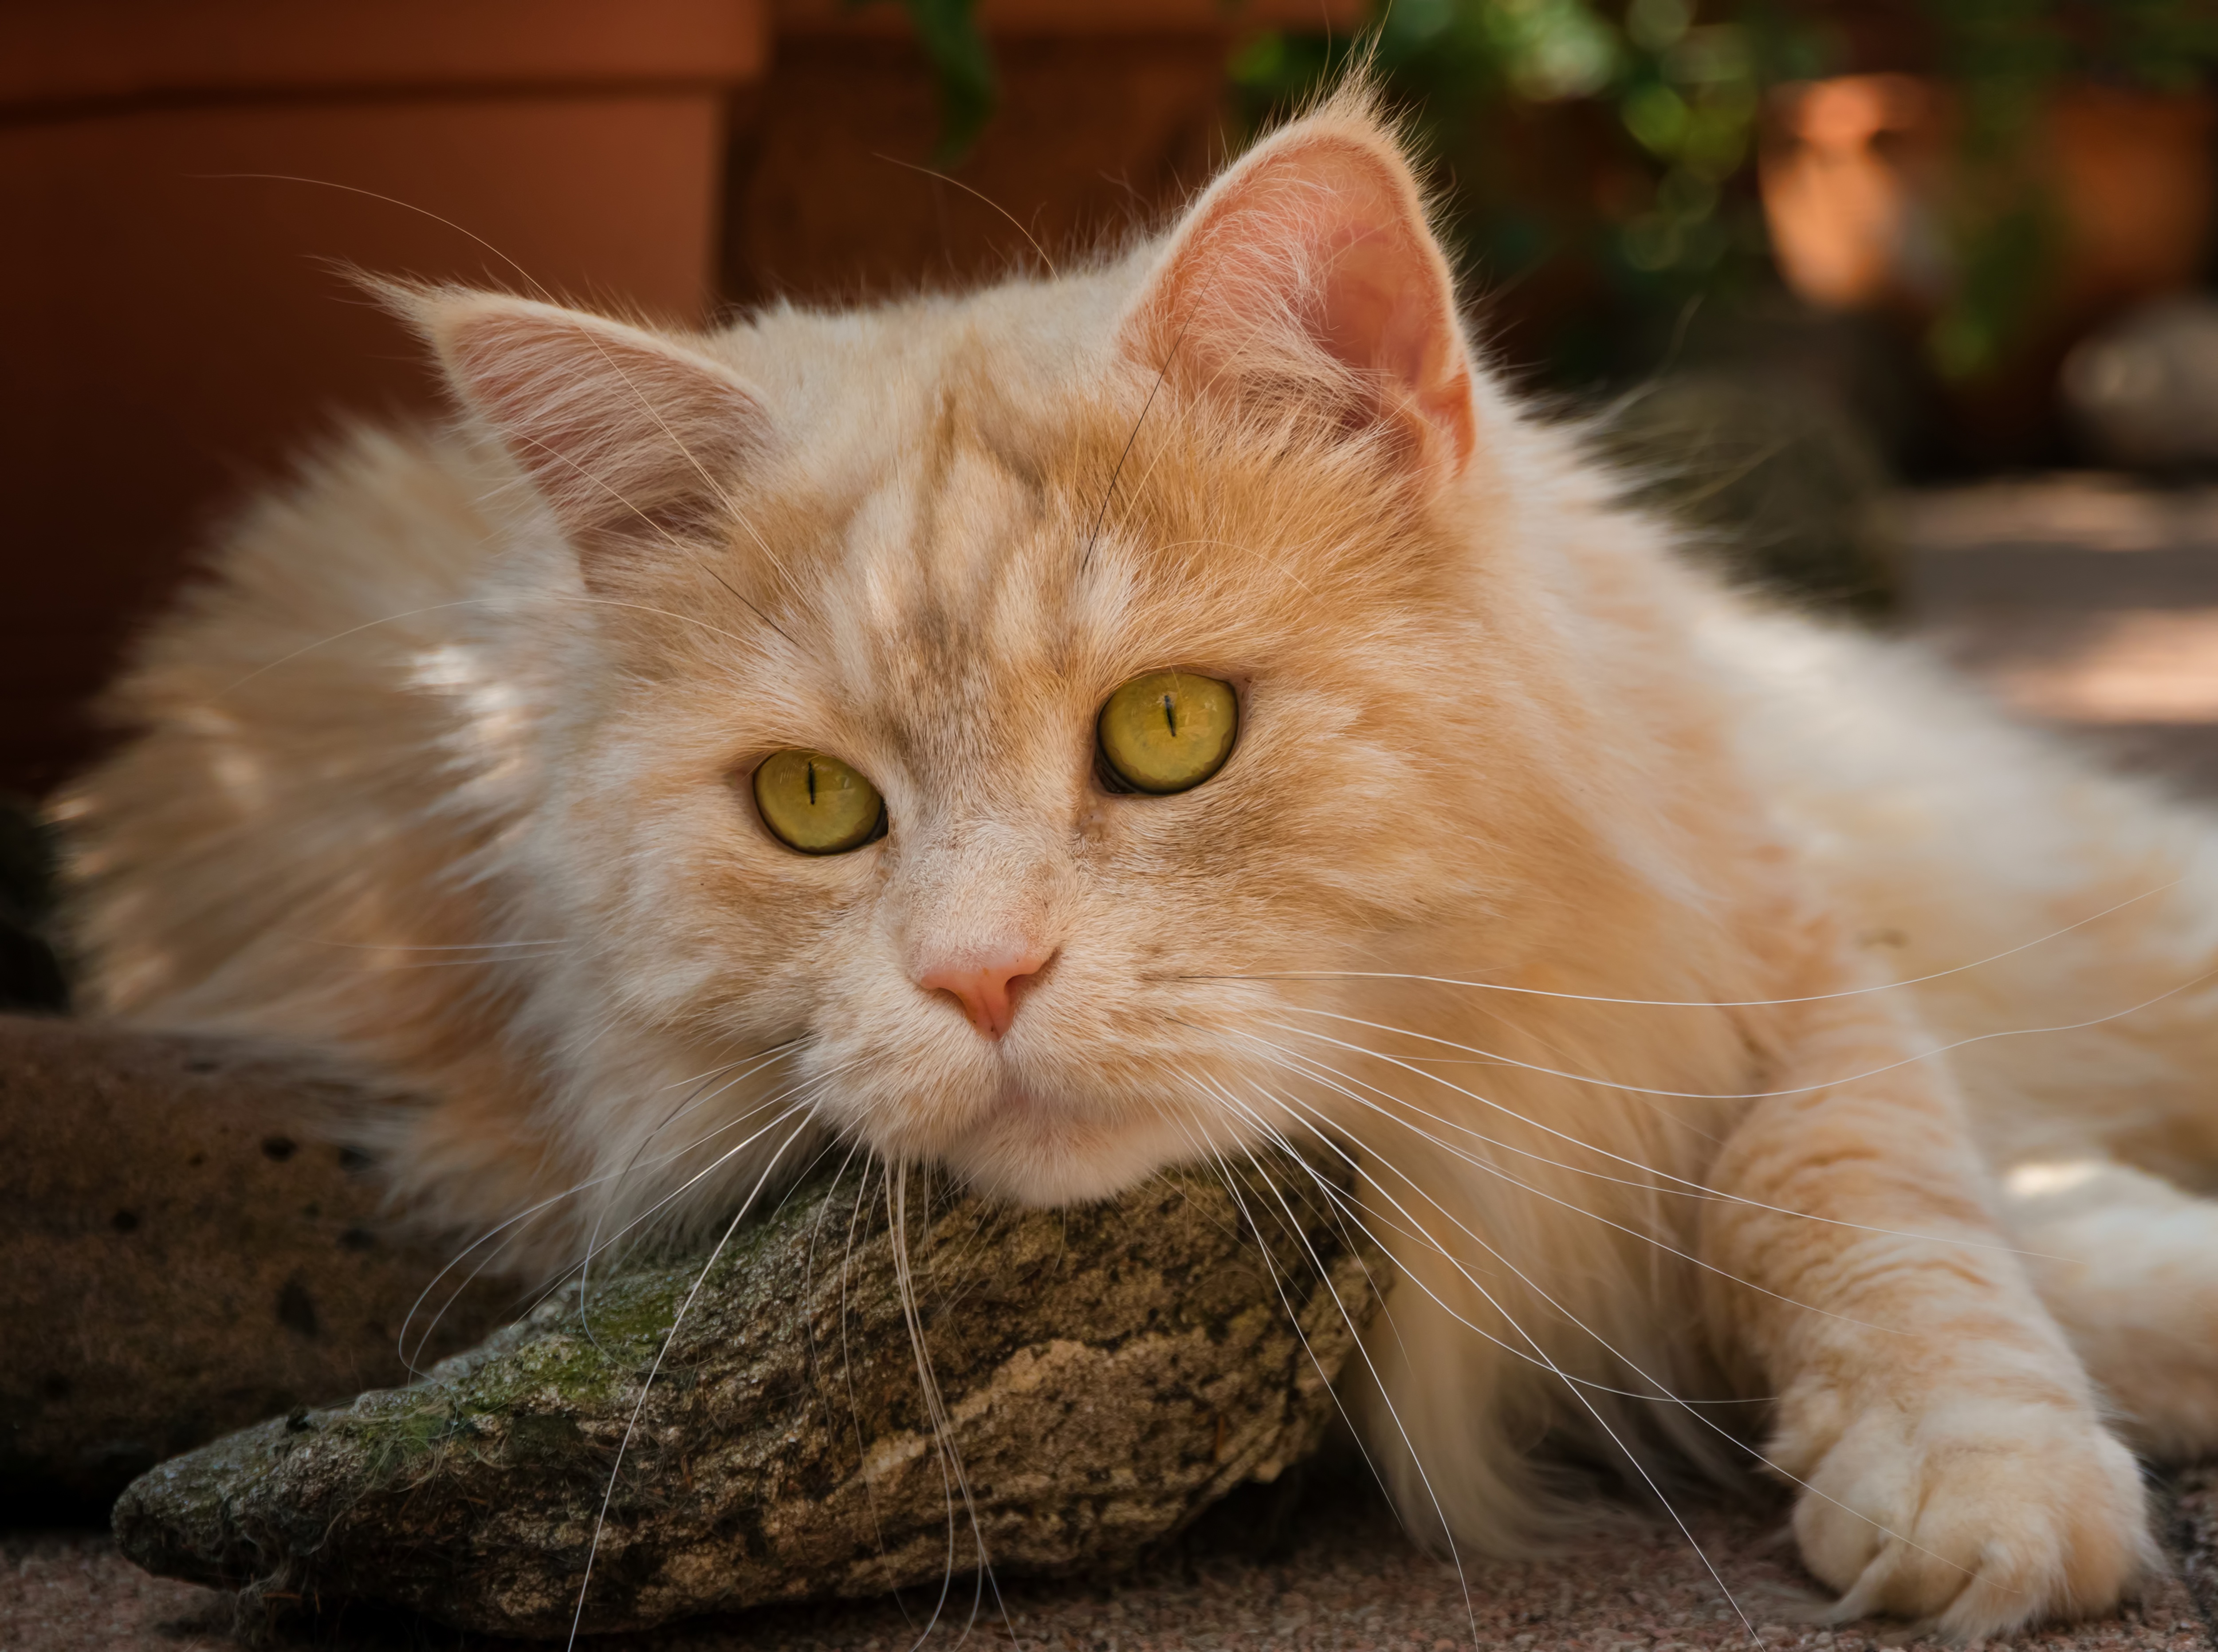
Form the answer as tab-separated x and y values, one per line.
815	803
1168	731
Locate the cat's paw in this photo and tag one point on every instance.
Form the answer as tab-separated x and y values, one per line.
1976	1517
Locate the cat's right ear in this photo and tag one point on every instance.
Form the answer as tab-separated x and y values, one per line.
1306	280
632	440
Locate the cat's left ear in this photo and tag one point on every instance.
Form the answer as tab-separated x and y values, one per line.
1307	274
632	439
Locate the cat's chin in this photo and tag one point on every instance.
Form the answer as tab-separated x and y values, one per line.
1034	1155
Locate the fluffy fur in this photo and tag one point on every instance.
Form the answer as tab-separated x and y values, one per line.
1606	919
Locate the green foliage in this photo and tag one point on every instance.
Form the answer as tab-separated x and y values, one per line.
1617	141
1670	92
966	93
961	65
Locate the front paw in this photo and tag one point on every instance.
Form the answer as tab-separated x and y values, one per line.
1979	1517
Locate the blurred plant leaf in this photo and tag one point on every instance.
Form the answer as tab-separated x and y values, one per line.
1677	86
967	90
948	31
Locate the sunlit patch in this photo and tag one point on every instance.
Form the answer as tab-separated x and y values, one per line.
242	777
2043	1176
446	666
2132	666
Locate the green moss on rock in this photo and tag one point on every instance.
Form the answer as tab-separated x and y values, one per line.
1104	1374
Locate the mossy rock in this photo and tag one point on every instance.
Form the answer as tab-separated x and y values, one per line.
1105	1373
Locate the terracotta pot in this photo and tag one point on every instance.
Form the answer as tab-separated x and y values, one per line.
1862	179
182	322
1109	112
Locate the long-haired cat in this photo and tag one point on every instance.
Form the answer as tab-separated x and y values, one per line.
1139	714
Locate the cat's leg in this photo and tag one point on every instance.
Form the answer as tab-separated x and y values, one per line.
1954	1462
2128	1264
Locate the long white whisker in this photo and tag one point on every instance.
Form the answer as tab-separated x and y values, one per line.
1364	1219
1576	1391
1663	1392
1589	1147
942	1427
1394	1413
698	1099
1759	1095
1329	1076
1701	1003
1293	1227
631	1426
804	1087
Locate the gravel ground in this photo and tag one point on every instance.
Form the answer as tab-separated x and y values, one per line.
1346	1580
2082	601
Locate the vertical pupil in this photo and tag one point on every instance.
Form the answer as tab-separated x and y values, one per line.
1170	714
812	783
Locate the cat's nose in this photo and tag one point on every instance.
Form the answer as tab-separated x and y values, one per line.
986	987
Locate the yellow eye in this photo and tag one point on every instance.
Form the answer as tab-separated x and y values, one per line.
1168	730
817	804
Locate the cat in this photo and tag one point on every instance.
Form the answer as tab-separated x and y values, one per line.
1129	716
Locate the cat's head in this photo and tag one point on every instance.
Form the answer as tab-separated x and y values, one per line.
1014	699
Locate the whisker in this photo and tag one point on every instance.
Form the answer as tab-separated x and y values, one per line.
1578	1393
522	1216
1697	1187
804	1087
800	1108
1663	1392
530	279
1416	1232
1759	1095
1477	1163
1701	1003
593	1241
929	172
950	1459
1424	1479
847	1361
1093	534
593	1549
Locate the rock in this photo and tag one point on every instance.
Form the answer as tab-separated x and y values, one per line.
2143	391
30	972
2191	1533
1106	1372
181	1255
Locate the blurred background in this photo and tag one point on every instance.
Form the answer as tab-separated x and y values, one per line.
1903	305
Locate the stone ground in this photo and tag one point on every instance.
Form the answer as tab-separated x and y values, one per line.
2086	603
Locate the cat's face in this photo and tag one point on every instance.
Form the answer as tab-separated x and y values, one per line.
928	545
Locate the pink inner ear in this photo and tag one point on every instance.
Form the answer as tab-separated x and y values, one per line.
627	436
1317	244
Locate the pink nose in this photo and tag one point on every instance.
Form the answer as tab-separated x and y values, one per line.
987	988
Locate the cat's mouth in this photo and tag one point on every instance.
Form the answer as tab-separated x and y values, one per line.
1036	1147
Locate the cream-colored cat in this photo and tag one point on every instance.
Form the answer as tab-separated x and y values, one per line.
1114	719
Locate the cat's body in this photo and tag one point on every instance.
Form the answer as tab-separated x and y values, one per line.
1590	906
